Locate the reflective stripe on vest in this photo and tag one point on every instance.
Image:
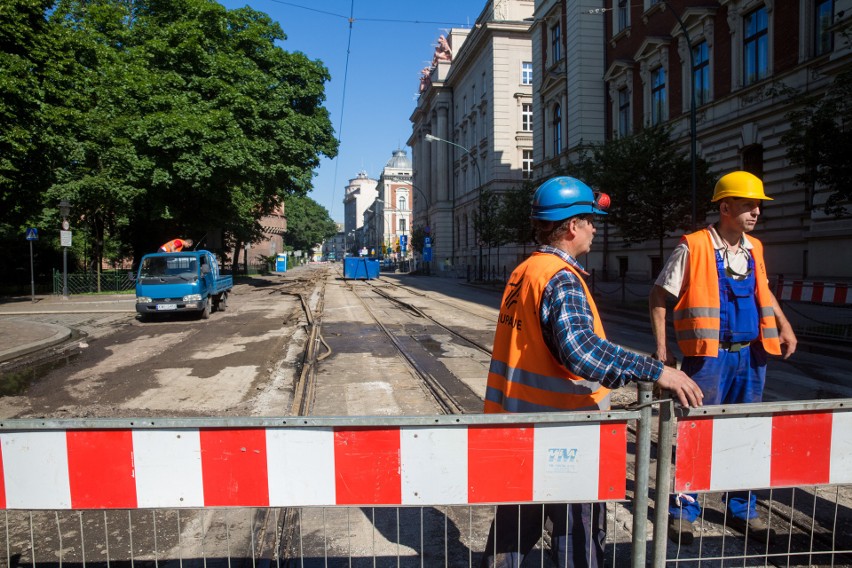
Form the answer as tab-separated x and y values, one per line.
524	375
696	314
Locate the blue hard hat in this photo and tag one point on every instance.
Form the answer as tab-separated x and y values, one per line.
563	197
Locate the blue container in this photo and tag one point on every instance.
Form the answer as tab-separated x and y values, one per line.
360	268
281	263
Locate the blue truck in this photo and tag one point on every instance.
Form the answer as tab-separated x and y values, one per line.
188	281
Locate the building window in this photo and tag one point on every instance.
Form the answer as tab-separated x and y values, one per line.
527	164
823	19
557	130
556	42
464	106
701	73
483	84
622	17
752	157
402	226
527	117
658	96
402	204
623	112
526	73
756	47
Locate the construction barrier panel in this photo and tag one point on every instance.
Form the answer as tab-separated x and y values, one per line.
789	445
821	292
309	465
795	458
418	491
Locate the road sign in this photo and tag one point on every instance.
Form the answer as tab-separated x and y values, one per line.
32	234
427	254
427	241
65	238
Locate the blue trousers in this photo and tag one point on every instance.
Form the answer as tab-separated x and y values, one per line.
731	378
578	534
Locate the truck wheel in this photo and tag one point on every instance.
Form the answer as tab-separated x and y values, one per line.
205	313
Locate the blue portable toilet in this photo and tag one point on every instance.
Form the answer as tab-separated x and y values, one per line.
281	263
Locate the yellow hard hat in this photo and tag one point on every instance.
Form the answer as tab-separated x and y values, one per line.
739	184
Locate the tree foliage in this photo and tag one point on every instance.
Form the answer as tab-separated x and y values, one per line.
514	214
649	181
308	223
155	118
487	222
819	142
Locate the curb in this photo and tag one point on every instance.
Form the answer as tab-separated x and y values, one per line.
60	334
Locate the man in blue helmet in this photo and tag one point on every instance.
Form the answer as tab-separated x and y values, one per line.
551	355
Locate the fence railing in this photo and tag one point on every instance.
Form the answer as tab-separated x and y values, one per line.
420	491
91	282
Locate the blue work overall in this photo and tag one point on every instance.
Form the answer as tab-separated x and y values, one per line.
735	376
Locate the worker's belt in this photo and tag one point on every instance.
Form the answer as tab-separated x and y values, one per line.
733	346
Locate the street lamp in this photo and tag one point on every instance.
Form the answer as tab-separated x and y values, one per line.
430	138
65	241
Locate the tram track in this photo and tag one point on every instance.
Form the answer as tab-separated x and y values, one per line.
436	387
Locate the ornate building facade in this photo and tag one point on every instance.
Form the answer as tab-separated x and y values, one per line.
472	131
741	59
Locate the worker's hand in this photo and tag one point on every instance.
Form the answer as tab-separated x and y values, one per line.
685	389
788	341
663	354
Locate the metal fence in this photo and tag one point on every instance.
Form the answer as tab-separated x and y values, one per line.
91	283
419	491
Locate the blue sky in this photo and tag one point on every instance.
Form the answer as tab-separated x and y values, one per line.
390	43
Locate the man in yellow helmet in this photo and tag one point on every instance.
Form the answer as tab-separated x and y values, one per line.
726	320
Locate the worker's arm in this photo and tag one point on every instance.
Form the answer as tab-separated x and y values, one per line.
785	330
657	308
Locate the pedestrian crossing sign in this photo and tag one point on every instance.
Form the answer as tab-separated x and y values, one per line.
32	234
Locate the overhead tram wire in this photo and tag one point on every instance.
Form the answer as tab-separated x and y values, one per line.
382	20
342	106
351	20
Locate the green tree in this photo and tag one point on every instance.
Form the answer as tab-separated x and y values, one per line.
649	180
819	142
190	120
514	214
417	240
308	223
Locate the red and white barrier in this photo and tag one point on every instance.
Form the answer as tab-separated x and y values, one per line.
725	453
825	292
279	467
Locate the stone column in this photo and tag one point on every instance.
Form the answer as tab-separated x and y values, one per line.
442	150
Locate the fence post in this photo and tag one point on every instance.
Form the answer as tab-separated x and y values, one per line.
665	443
640	474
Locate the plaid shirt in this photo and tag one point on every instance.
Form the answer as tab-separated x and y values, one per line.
568	328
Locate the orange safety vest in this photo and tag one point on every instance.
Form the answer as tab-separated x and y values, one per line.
524	375
175	245
696	314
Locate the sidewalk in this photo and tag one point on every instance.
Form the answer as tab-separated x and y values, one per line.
20	334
